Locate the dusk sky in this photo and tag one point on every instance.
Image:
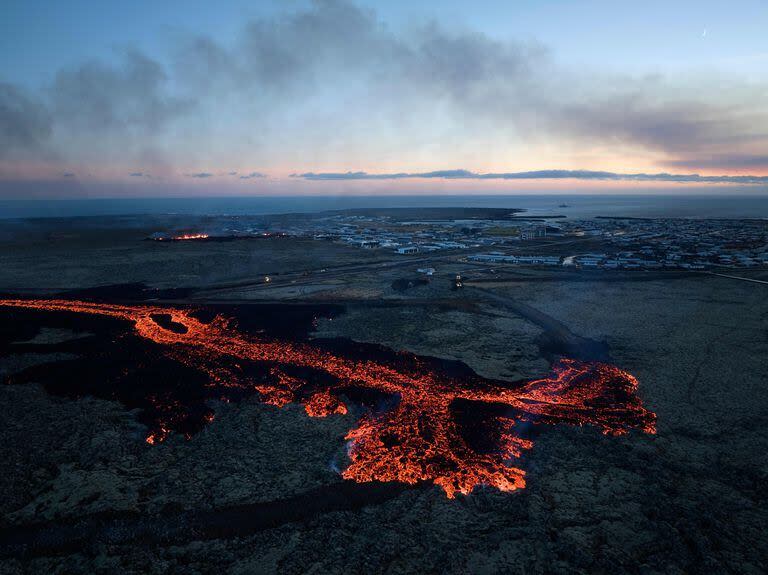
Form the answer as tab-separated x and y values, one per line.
235	97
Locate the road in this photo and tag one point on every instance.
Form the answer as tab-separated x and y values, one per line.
752	280
557	339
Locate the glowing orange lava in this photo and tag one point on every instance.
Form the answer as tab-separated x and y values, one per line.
419	438
183	237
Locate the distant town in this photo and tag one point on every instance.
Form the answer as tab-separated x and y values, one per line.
601	243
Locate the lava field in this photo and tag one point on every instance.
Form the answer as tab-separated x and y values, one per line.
423	419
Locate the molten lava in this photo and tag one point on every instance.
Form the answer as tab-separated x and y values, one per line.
182	238
419	438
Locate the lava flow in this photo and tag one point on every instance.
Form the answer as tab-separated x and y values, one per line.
183	238
421	436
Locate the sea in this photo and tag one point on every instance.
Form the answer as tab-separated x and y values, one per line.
571	205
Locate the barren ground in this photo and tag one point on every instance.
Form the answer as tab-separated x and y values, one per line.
690	499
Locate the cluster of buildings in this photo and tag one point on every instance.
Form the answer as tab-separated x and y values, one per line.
679	243
653	244
600	243
406	238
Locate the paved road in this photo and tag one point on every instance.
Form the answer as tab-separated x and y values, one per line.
736	278
557	338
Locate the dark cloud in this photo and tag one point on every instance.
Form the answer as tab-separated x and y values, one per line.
25	124
336	45
201	175
131	94
252	175
482	86
537	175
329	39
722	162
68	175
677	127
91	111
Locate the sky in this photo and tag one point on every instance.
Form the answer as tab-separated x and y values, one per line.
295	97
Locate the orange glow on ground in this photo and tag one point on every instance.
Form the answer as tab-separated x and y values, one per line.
419	438
182	238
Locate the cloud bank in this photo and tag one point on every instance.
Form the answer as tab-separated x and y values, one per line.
25	122
537	175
